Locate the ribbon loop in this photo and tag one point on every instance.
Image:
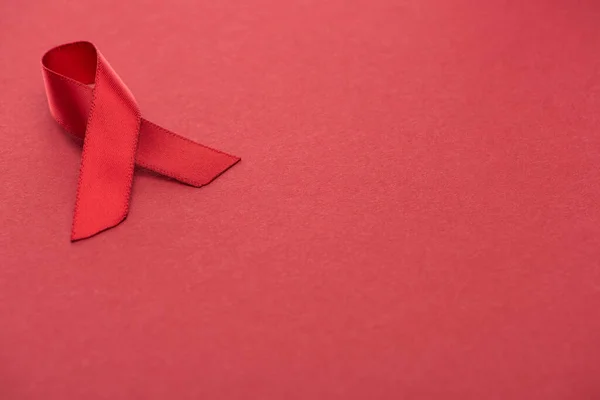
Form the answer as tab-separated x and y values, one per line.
88	99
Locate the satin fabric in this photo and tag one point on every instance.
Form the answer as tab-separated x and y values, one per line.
89	100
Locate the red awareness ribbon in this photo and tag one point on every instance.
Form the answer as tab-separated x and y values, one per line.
89	100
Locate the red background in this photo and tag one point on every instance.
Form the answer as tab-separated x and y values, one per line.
415	215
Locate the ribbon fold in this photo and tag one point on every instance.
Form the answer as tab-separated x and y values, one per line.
89	100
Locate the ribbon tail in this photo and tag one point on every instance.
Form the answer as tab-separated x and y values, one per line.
179	158
108	159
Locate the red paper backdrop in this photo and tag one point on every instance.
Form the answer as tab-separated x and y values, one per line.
416	214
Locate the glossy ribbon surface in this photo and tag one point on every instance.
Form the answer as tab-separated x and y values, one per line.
89	100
